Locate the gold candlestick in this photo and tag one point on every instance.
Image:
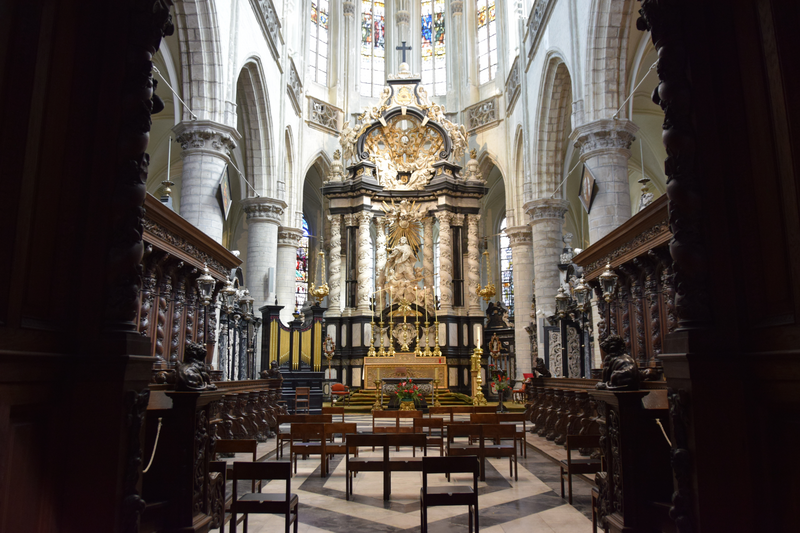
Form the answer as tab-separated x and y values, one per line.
417	351
427	352
371	351
378	405
436	393
436	351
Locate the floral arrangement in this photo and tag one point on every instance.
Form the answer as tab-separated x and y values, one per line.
501	382
407	390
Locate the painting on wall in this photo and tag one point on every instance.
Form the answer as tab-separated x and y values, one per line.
588	189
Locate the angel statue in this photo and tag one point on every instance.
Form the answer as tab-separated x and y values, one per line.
347	139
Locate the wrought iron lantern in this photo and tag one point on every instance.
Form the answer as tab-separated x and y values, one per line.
608	282
562	302
582	295
246	304
205	285
228	294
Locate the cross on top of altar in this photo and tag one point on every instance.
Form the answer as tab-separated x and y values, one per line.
403	48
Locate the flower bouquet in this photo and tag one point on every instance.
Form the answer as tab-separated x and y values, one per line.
407	390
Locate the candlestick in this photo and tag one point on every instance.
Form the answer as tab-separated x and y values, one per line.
425	290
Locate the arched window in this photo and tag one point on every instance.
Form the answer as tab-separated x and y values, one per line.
487	40
319	41
301	270
506	270
434	58
373	47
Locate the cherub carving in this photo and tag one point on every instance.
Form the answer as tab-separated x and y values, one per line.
620	371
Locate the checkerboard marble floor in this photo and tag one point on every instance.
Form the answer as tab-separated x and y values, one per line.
506	506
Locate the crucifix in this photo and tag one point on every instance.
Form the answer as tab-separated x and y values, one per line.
403	49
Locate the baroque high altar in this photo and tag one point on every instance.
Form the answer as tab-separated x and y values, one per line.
402	193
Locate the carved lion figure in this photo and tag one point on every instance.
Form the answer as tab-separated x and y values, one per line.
620	371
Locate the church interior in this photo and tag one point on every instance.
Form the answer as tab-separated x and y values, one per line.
543	243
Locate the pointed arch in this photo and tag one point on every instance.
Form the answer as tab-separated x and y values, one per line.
285	182
520	187
606	57
553	127
201	59
256	128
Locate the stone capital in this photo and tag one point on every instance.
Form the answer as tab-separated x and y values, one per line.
547	209
206	135
457	7
349	8
458	219
264	209
603	137
519	235
364	218
289	236
350	219
444	217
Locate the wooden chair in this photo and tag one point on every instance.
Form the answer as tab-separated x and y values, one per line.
337	448
449	495
572	466
354	465
496	437
238	446
461	448
340	393
333	411
595	508
308	439
484	409
515	419
258	502
283	436
302	396
427	425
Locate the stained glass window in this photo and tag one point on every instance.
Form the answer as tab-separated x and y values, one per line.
506	270
434	58
301	270
373	47
487	40
318	57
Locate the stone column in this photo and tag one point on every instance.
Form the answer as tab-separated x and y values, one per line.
206	150
427	250
364	264
263	219
335	269
473	266
547	221
605	149
288	242
521	243
458	221
445	261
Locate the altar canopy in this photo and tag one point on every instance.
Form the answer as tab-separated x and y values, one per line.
404	268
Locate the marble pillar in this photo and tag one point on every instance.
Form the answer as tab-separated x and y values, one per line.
206	150
364	262
605	149
263	219
285	287
547	222
473	266
445	262
521	241
335	268
349	221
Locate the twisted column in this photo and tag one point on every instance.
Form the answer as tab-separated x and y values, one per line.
206	150
473	266
263	219
380	248
445	261
427	251
335	269
364	263
605	149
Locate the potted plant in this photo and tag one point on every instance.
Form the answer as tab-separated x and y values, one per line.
408	394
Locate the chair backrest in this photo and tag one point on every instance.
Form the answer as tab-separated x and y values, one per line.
409	414
527	376
422	425
499	431
302	391
582	441
308	431
236	446
340	428
462	409
458	464
261	470
333	411
364	439
406	439
483	418
463	430
485	409
337	387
